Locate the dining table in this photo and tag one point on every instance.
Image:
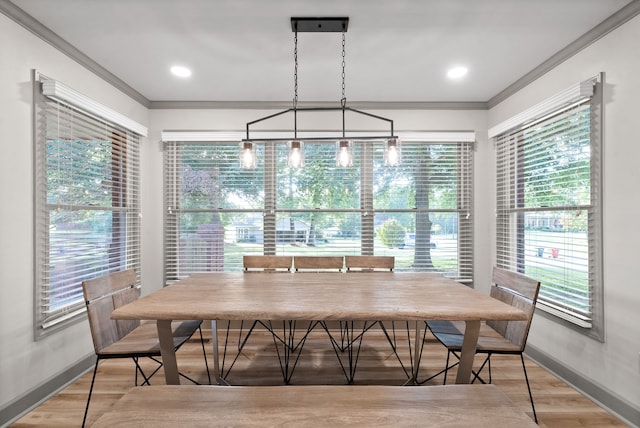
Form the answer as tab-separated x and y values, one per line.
413	297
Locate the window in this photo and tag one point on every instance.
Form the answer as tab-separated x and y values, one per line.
87	207
419	211
548	209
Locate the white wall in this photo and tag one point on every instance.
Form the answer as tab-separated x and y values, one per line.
615	364
26	364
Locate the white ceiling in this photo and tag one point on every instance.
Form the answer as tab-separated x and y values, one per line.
396	50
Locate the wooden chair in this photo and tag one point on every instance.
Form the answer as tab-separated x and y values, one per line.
318	263
355	264
496	337
369	263
267	263
288	344
126	338
252	263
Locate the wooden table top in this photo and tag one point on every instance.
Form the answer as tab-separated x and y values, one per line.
315	406
318	296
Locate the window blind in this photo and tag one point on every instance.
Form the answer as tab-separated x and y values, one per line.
206	189
548	209
87	207
216	211
429	195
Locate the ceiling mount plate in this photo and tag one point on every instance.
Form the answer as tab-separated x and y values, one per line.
319	25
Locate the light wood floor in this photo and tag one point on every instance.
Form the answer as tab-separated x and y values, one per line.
557	404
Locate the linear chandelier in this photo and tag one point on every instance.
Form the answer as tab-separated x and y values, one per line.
344	145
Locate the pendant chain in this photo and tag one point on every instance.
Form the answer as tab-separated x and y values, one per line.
343	101
295	70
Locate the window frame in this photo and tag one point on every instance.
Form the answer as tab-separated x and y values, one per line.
595	207
122	214
174	139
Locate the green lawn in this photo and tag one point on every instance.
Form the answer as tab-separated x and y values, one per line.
442	260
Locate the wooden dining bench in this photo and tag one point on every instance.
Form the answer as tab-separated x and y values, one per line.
315	406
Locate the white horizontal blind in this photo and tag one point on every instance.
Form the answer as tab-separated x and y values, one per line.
428	199
319	204
217	211
88	215
214	208
547	209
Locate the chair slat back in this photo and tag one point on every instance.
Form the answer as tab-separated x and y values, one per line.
517	282
102	296
318	263
267	263
369	263
521	292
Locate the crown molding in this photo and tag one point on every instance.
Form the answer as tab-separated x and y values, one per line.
36	27
605	27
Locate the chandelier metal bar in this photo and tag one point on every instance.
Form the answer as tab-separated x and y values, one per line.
310	109
262	119
319	24
375	116
343	122
336	138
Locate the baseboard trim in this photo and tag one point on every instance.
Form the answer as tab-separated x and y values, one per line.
603	397
30	400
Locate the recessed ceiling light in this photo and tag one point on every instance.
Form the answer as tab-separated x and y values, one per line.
457	72
180	71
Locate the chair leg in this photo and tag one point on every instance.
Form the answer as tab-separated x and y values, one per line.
489	361
139	370
446	369
93	379
146	378
135	381
526	378
476	375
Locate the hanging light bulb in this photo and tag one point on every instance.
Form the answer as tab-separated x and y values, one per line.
247	155
392	152
295	158
344	157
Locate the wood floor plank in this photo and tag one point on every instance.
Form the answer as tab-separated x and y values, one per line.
557	404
